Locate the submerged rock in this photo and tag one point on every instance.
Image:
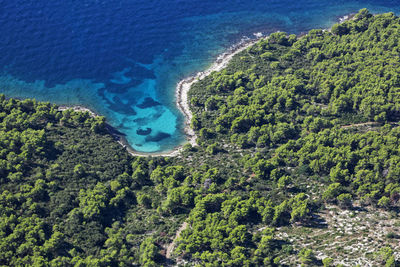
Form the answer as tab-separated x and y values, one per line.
148	102
146	131
158	137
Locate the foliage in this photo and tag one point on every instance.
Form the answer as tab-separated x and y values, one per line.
290	125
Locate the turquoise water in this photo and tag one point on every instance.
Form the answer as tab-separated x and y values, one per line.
124	58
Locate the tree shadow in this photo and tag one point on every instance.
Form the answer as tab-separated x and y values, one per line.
316	222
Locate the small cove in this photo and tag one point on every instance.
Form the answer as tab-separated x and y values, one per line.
123	59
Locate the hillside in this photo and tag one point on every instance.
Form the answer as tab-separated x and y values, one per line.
297	163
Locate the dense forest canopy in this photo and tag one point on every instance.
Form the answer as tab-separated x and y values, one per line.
292	126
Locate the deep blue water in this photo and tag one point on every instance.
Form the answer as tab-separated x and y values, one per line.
124	58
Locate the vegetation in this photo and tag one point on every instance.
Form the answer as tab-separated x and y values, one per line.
304	114
291	128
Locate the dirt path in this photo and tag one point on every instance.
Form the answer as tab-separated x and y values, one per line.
370	123
171	246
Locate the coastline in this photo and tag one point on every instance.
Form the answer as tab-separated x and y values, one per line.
183	87
181	100
78	108
182	93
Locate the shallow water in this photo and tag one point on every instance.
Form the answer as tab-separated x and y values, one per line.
124	58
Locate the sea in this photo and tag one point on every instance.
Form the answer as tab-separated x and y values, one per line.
123	58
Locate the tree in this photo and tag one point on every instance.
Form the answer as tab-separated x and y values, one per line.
307	256
345	200
340	29
79	170
93	202
144	200
148	253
